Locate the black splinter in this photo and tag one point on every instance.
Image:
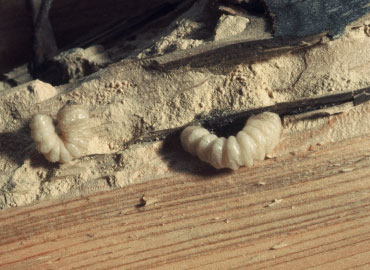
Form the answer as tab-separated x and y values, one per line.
43	41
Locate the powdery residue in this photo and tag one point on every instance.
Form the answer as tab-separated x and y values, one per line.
188	31
16	103
23	186
229	26
135	166
339	65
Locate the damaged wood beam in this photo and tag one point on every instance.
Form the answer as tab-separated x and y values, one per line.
305	108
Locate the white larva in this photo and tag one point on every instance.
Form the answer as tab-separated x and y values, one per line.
258	138
73	140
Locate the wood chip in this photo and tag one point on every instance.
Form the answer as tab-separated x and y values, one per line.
278	246
275	202
146	201
346	170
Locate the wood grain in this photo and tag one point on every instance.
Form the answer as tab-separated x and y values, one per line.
302	211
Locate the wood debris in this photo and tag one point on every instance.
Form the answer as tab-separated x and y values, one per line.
278	246
275	202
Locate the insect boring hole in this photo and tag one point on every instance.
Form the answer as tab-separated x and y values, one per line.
171	143
224	127
225	130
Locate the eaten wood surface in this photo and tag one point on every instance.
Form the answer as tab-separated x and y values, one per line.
302	211
232	52
316	107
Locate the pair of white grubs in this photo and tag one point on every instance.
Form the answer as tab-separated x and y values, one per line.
257	139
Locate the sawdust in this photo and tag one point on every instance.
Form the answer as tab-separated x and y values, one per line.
126	101
136	167
77	63
188	31
230	26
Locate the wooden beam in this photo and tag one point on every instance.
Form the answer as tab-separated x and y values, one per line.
310	210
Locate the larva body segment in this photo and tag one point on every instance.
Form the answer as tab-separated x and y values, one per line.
202	150
216	153
232	158
259	137
73	140
249	147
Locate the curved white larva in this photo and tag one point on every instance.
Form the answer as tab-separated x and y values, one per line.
259	137
73	140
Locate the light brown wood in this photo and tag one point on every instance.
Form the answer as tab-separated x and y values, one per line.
302	211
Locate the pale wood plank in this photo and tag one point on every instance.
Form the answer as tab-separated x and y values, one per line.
225	220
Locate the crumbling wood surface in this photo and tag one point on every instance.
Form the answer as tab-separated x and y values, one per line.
231	52
306	210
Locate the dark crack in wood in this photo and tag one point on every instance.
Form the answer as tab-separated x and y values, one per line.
302	71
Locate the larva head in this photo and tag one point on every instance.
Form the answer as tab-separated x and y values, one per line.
75	129
41	127
41	121
71	114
